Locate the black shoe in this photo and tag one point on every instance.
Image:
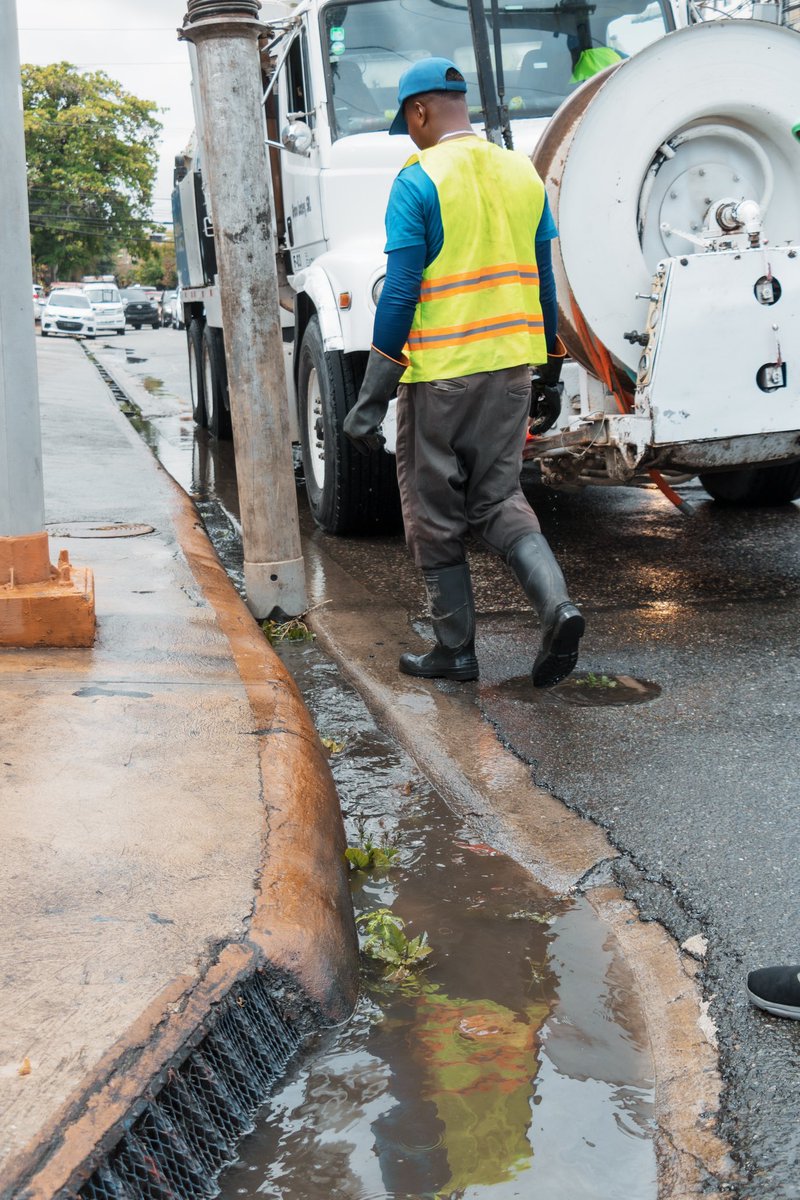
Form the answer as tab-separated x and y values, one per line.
439	663
453	618
534	565
776	990
558	656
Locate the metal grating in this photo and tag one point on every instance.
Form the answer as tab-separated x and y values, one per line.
188	1130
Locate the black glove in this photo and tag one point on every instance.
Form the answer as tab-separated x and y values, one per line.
545	406
546	391
362	423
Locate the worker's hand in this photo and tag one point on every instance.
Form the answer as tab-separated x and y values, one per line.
367	442
545	406
362	424
546	391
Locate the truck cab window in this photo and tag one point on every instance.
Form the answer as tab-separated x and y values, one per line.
299	98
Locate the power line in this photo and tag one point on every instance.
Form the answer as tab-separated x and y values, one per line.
161	62
96	29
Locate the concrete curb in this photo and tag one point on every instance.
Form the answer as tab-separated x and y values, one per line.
301	925
460	753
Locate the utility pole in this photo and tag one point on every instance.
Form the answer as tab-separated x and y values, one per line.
225	34
40	605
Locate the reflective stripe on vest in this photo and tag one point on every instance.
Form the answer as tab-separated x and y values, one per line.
479	304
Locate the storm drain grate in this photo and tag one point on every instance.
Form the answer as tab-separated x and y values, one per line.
190	1127
117	392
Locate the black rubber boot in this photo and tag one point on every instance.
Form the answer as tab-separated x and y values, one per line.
453	618
534	565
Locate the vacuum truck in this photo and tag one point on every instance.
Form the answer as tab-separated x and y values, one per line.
667	135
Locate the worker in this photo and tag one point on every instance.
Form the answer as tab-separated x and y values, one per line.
460	318
590	60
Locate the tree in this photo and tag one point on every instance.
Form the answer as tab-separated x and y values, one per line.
158	269
92	156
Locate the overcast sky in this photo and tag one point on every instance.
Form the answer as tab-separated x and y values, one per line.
136	42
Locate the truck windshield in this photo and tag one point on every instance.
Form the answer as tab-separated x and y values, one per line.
107	295
548	50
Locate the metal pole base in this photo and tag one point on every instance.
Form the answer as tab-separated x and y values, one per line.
277	588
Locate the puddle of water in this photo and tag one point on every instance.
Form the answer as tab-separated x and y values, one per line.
598	691
515	1065
588	690
154	386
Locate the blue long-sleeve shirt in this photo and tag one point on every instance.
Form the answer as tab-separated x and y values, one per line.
414	238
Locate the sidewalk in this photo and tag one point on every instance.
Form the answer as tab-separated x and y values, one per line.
133	788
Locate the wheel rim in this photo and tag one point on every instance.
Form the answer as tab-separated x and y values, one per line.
315	428
208	381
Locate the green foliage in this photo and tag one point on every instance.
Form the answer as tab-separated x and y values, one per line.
595	681
386	943
287	631
92	158
332	746
369	855
158	269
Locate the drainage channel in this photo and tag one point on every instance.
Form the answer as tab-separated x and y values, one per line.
514	1064
515	1059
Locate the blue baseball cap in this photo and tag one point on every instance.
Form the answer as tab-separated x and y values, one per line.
427	75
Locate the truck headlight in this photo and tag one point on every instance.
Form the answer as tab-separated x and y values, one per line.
377	288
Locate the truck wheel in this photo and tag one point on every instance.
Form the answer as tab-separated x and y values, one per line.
755	487
347	492
194	345
215	384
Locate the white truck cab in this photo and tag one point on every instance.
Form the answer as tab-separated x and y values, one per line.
331	72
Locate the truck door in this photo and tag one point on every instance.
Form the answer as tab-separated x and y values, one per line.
305	234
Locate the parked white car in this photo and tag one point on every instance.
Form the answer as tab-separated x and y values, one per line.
37	301
108	308
175	311
69	312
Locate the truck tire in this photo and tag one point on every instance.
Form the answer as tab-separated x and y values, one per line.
347	492
194	346
215	384
755	487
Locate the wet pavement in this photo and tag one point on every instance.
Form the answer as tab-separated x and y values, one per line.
696	786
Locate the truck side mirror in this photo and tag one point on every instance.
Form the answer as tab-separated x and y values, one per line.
297	137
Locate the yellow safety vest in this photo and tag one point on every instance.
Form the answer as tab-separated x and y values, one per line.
479	304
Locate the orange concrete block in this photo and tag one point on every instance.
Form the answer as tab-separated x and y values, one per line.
58	611
25	559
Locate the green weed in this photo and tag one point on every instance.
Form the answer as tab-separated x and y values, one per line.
287	631
369	855
386	943
596	681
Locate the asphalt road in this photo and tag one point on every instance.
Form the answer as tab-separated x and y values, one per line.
697	788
